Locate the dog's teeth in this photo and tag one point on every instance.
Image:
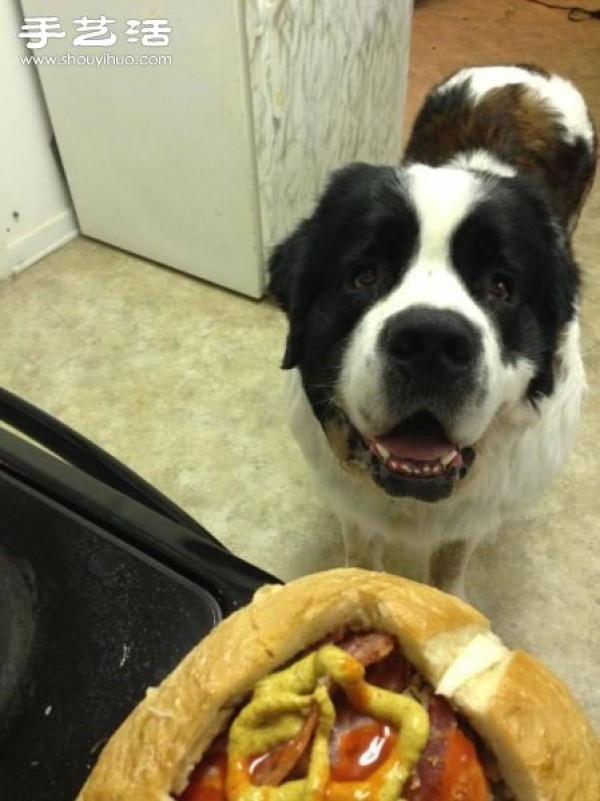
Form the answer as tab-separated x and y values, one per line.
445	460
399	467
414	468
383	452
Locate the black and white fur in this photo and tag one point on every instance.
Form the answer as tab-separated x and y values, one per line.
434	306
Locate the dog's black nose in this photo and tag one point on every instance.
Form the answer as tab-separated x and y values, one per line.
427	343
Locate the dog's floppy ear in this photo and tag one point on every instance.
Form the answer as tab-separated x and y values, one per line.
297	265
286	268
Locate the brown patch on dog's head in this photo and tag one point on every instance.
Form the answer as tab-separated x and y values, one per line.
517	126
534	143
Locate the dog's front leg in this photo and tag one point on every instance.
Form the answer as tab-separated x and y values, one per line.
360	550
447	567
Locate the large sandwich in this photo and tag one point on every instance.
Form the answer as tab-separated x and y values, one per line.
351	685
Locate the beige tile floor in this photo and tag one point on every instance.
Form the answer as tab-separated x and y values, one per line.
180	380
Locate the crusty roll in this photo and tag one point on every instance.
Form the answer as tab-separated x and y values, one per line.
545	747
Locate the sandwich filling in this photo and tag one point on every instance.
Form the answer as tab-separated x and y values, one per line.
351	720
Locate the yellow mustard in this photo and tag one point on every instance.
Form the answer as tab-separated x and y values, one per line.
276	713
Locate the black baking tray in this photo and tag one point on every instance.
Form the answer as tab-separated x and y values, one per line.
104	586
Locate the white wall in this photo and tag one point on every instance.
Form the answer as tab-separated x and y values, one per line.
36	214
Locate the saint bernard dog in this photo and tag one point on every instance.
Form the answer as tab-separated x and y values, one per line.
433	347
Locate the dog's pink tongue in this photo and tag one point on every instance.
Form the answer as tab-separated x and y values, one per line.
422	448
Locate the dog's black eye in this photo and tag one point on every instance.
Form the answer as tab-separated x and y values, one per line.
366	277
500	288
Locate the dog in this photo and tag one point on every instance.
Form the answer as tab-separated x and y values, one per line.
433	347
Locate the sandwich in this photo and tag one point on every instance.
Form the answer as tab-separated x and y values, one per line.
353	685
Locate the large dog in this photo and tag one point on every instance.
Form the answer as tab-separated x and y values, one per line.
433	343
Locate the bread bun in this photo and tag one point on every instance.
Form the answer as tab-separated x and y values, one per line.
546	749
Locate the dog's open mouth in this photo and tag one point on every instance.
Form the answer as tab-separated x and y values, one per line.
417	447
419	450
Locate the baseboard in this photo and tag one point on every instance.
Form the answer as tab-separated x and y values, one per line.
39	242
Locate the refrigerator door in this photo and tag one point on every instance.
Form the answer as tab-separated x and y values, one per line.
154	130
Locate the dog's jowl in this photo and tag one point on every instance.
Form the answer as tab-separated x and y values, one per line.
433	347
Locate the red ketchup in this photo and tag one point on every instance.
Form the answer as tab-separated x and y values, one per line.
362	750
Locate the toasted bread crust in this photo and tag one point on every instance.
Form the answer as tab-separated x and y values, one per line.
152	753
534	727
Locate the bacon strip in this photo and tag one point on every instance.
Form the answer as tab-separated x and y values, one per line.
274	766
368	648
448	769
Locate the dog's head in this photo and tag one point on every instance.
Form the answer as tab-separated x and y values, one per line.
422	303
